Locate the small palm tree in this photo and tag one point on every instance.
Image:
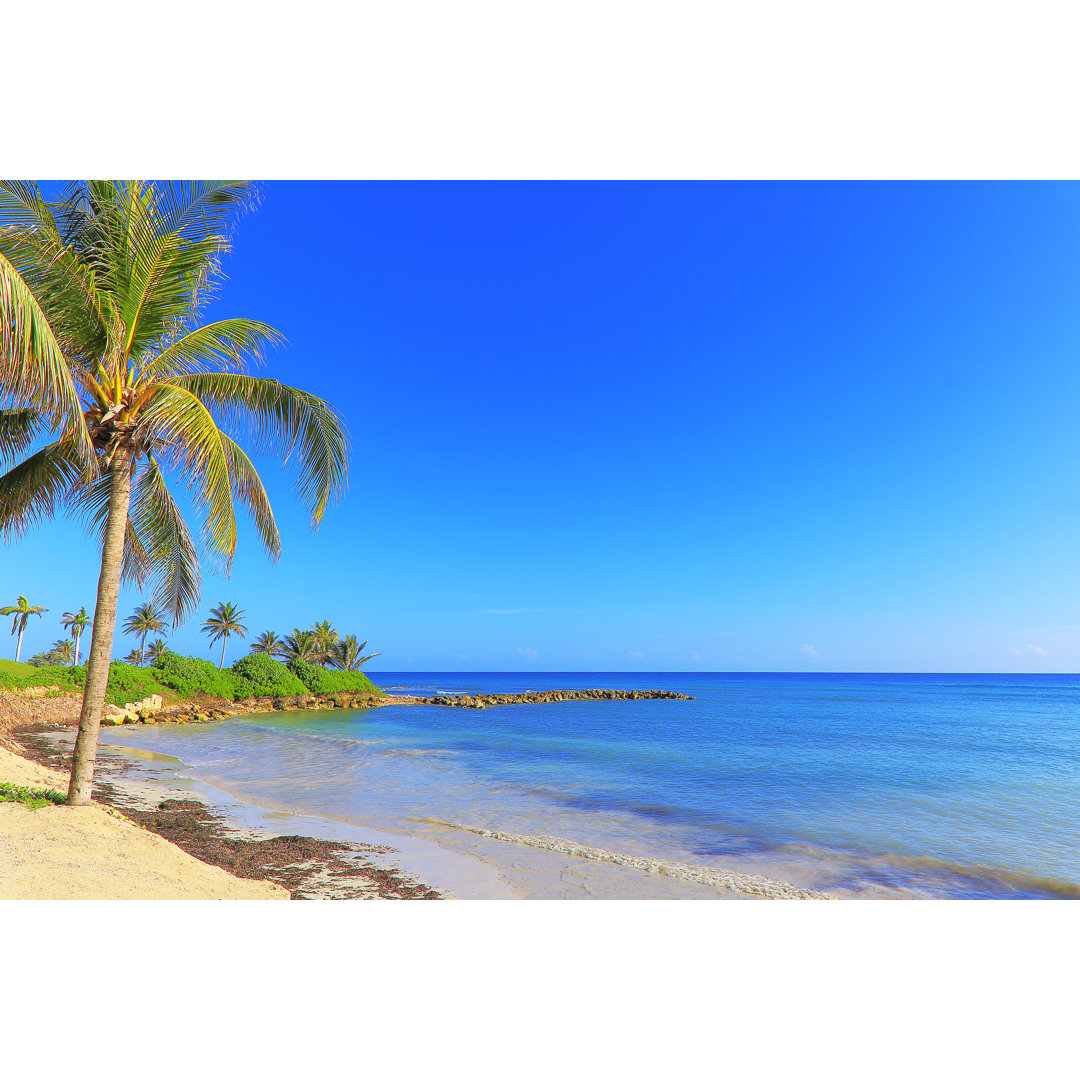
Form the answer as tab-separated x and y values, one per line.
268	642
63	650
134	657
223	623
76	624
347	654
106	355
22	612
145	619
300	645
156	650
326	639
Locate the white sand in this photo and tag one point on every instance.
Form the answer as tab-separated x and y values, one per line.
90	853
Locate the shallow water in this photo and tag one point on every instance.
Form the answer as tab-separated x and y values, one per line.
891	785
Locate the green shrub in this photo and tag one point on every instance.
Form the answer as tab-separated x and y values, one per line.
268	677
130	683
188	675
320	680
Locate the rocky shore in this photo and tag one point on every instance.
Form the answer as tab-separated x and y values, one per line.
35	705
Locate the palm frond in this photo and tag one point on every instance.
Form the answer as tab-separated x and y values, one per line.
221	346
175	236
248	488
18	429
80	313
31	491
33	368
185	436
170	550
286	421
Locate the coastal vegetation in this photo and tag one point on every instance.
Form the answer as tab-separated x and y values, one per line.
33	798
188	678
107	362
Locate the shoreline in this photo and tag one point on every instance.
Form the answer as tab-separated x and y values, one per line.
457	861
301	867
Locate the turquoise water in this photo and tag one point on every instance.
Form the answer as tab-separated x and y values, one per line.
907	785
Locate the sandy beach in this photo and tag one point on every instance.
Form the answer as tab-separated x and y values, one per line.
94	853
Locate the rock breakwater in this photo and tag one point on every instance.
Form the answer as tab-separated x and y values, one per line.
484	701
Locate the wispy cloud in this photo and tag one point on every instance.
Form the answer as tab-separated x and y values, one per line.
810	651
529	654
637	654
1038	650
532	611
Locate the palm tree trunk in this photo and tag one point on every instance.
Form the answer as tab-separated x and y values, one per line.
18	645
97	665
222	664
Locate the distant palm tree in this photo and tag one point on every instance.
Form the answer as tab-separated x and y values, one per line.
134	657
268	642
63	650
145	619
76	624
156	650
300	645
347	654
38	660
22	612
326	638
223	623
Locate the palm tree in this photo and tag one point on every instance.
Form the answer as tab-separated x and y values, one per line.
347	654
156	650
300	645
134	658
63	650
268	642
145	619
76	624
22	612
326	639
104	357
224	621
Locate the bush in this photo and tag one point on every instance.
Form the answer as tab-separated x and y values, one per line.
188	675
127	683
268	677
320	680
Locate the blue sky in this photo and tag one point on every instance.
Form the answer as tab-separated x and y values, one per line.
658	426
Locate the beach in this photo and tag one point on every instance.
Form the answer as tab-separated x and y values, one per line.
463	863
94	853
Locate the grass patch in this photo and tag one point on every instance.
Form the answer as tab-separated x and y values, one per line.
9	667
31	797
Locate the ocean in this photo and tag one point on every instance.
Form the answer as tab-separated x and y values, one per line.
891	786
